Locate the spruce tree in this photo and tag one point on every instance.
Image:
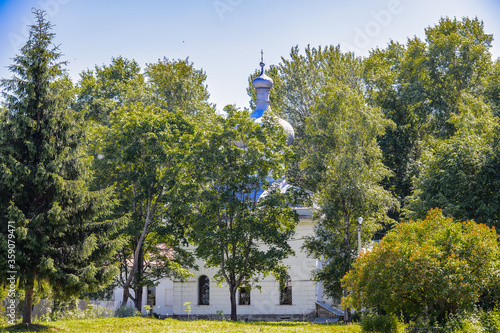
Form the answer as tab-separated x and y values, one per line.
60	235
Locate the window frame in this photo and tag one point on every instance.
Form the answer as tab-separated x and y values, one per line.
244	296
203	290
286	293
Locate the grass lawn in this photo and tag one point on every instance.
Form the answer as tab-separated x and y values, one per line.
138	324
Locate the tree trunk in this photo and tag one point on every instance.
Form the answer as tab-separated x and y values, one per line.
232	291
138	297
125	296
138	289
28	303
138	248
347	311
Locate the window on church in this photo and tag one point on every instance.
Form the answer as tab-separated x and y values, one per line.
244	296
286	293
151	296
203	290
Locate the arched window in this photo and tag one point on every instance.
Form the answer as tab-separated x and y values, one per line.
286	292
203	290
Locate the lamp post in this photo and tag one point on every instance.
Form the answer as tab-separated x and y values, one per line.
360	222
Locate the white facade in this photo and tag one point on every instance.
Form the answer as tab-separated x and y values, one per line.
170	296
267	300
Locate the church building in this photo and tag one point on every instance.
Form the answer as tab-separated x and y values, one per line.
199	297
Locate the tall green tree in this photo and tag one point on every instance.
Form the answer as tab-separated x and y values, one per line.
458	61
321	93
492	88
299	82
420	86
172	87
342	136
61	236
461	175
142	153
236	229
397	81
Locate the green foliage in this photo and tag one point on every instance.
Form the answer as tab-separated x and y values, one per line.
187	306
173	85
461	176
102	91
473	321
428	269
380	323
125	311
492	88
299	82
148	309
234	228
62	239
91	312
422	85
177	86
458	60
142	154
491	320
396	81
346	161
220	313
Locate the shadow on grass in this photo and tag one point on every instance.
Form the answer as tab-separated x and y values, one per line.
26	328
279	323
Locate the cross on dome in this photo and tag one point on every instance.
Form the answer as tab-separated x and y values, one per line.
261	62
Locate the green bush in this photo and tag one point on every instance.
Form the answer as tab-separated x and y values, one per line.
467	322
382	324
125	311
91	312
476	321
491	320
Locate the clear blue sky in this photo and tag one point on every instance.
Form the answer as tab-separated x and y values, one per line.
224	37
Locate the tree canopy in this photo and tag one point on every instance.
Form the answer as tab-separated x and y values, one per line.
141	125
236	228
341	138
421	85
461	174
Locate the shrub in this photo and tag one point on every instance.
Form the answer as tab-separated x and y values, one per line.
384	324
491	320
91	312
426	269
467	322
474	321
125	311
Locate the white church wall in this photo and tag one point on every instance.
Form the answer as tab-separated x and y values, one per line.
164	297
118	295
265	302
172	295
